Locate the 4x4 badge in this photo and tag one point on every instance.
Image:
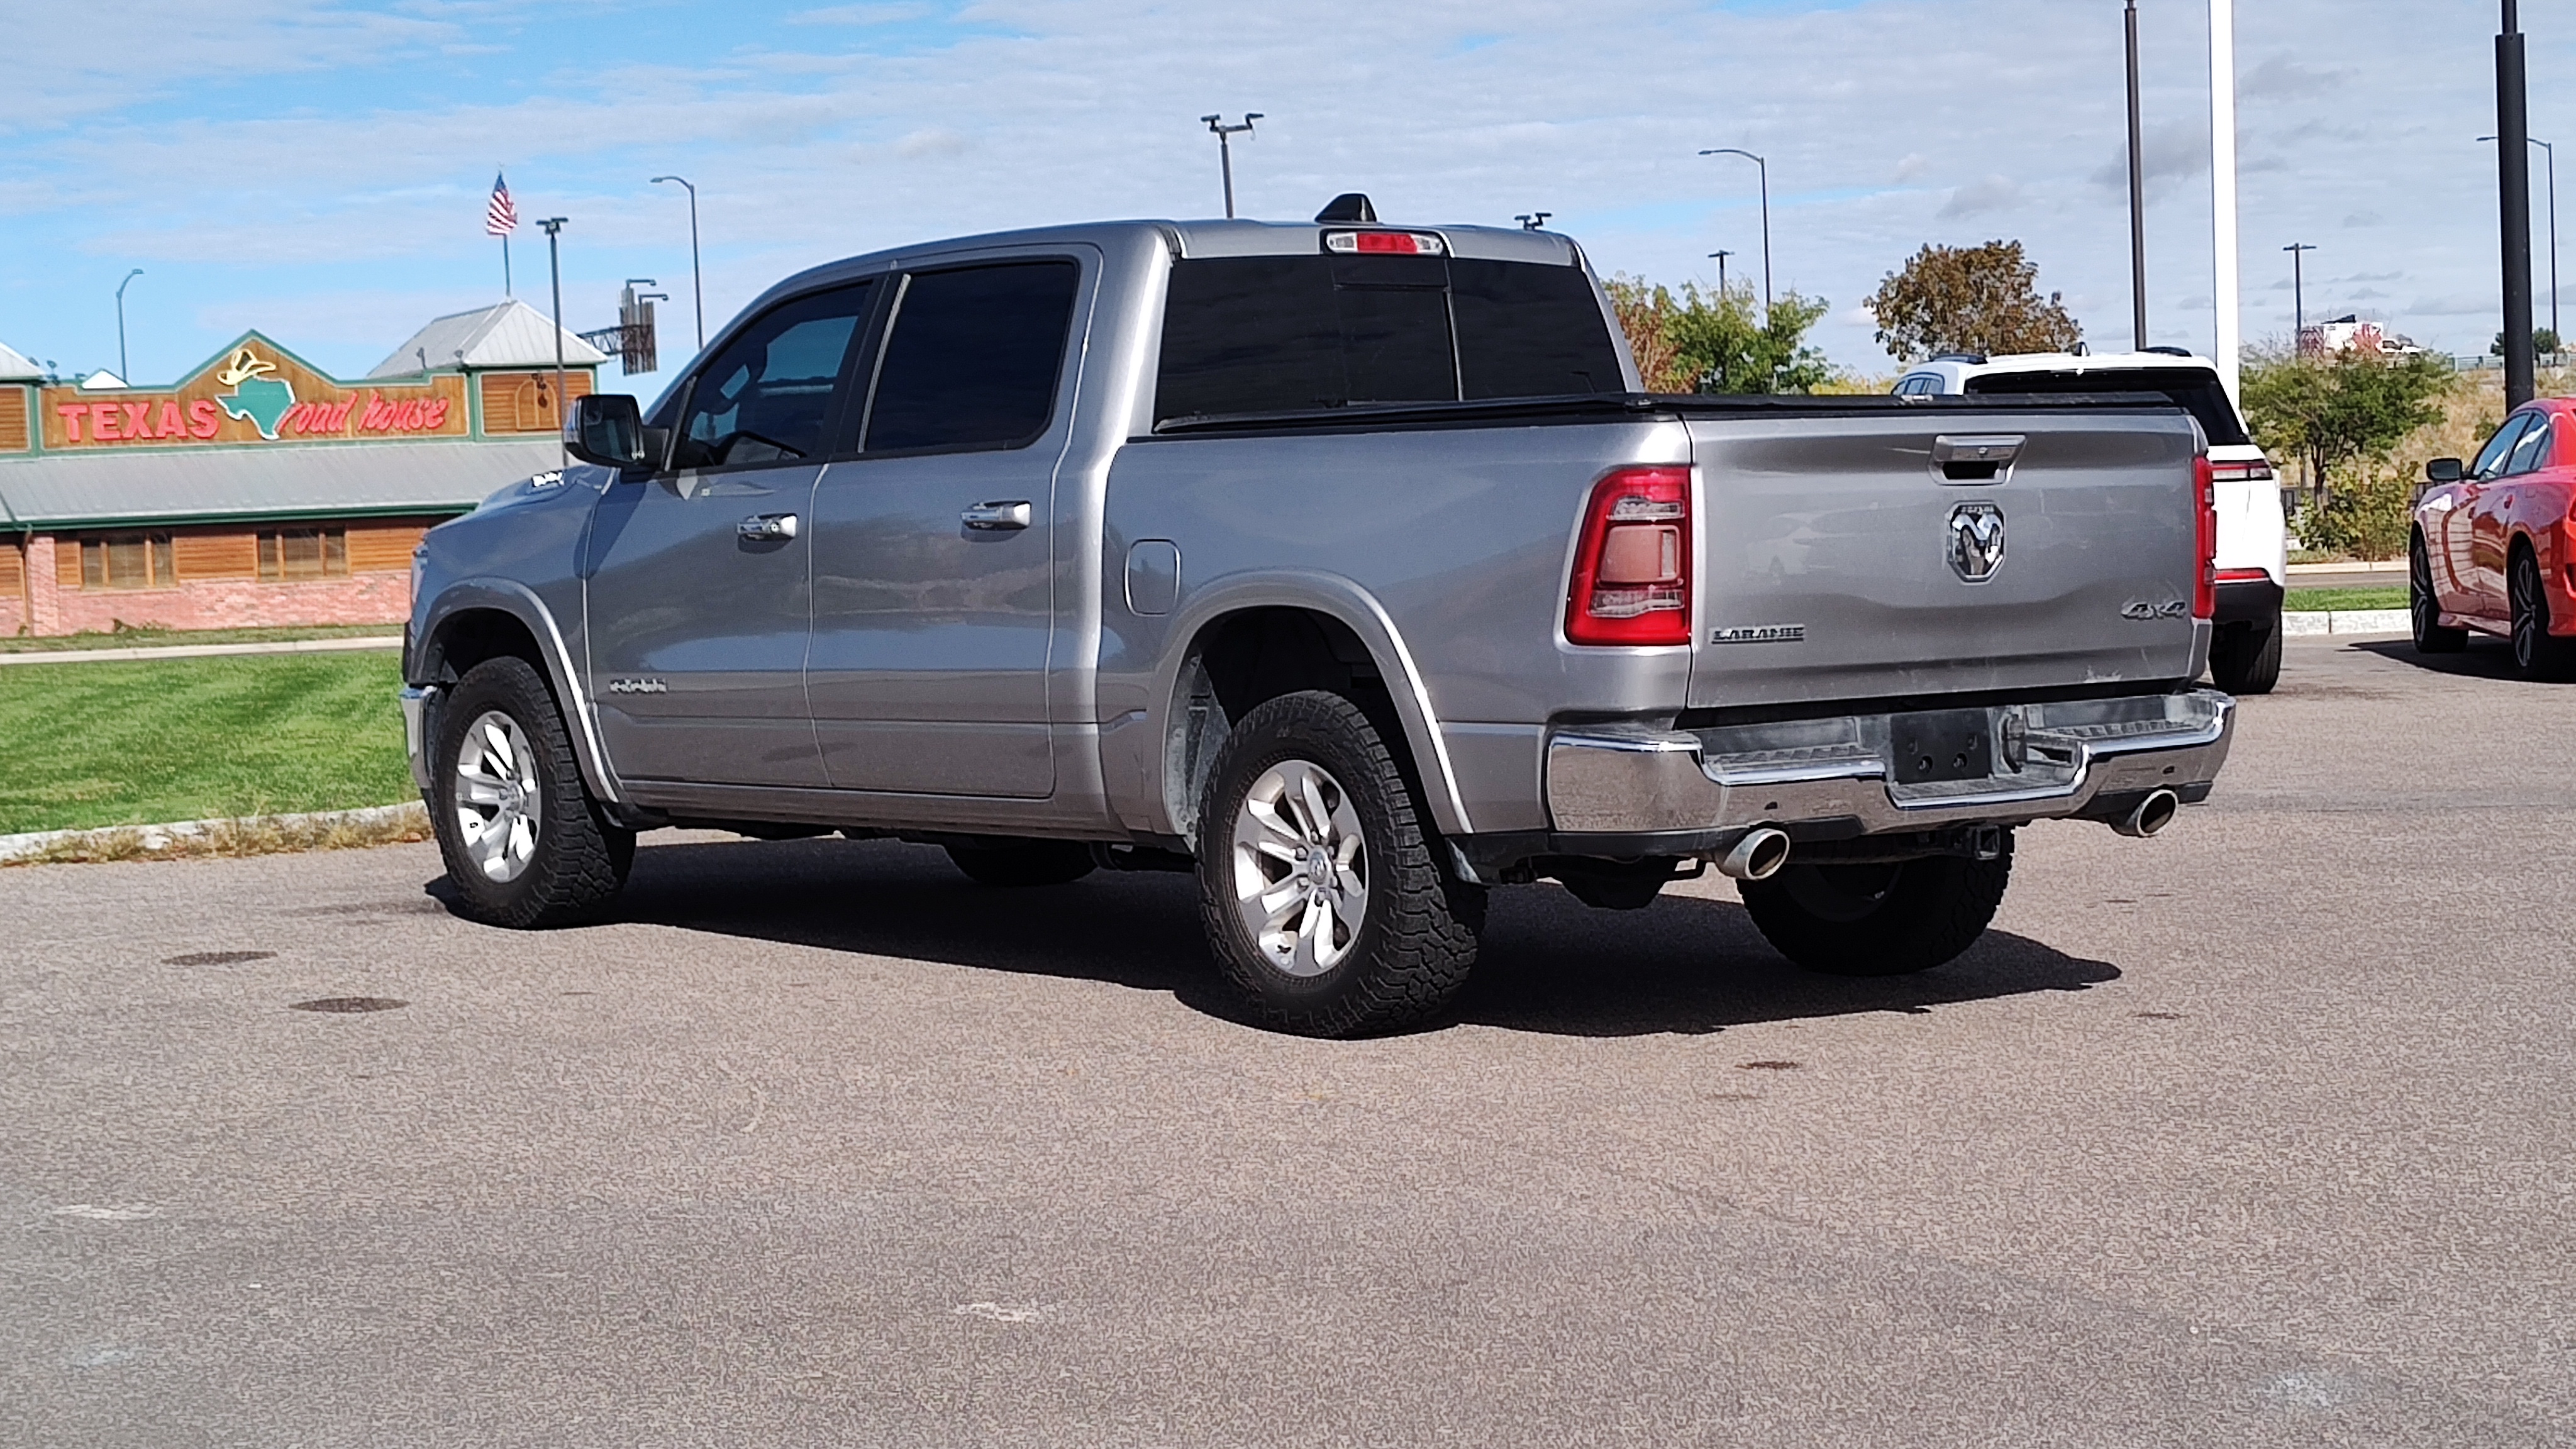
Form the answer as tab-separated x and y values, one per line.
1976	541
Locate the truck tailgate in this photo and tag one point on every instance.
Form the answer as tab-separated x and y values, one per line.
1840	559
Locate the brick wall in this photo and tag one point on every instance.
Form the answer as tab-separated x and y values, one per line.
218	585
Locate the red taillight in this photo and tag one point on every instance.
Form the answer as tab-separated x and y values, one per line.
2242	576
2257	471
2204	586
1632	568
1385	243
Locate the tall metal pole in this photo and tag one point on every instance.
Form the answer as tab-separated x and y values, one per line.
2222	188
1721	254
2550	152
1765	169
696	289
124	374
1225	150
2137	197
2298	298
2513	201
554	226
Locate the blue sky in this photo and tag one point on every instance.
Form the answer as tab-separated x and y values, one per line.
317	168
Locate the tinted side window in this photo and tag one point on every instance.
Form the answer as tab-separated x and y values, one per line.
2491	458
2531	450
765	397
1529	331
974	357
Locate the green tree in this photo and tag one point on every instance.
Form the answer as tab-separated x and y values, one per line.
1970	299
1719	341
2332	411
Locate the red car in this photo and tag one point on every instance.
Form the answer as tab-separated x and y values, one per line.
2495	546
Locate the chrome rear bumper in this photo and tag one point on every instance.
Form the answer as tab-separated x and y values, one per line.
1614	781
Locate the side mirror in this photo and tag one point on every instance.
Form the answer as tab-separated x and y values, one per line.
607	429
2442	470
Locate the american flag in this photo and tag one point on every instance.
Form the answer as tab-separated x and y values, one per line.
501	217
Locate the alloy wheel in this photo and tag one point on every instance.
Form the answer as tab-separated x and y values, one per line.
2419	590
2530	611
1300	868
496	796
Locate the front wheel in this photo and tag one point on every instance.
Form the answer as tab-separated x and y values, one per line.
2424	607
1879	920
1320	886
524	843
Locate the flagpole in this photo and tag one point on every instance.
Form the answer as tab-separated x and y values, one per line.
505	266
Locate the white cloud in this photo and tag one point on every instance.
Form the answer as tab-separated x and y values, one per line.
1977	198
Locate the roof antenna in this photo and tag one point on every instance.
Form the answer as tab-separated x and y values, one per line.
1350	206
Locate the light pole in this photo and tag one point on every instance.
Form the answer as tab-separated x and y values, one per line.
554	226
2513	203
1721	254
2137	197
2550	154
2222	189
123	373
2298	299
1225	135
695	288
1765	168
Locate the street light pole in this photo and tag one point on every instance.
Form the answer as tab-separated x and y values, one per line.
2298	298
124	374
2550	152
1225	150
1721	254
2513	203
1765	168
554	226
2137	197
2222	190
696	289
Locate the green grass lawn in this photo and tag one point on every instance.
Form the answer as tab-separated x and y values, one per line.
85	745
2327	600
154	638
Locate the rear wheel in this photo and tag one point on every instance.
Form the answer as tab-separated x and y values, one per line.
1879	920
524	843
1320	885
1023	862
2536	652
2424	607
2245	661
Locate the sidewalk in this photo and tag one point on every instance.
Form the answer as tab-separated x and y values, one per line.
201	651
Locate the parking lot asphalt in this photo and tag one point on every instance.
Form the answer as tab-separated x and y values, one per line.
2261	1132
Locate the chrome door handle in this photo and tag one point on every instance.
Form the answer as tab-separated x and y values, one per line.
767	527
1012	514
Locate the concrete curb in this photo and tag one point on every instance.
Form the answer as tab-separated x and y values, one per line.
156	839
200	651
2349	621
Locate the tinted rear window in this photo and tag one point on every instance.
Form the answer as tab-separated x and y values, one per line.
1290	334
2197	393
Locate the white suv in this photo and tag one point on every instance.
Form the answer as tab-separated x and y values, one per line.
2253	538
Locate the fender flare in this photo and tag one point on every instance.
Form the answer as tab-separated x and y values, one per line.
1343	600
521	603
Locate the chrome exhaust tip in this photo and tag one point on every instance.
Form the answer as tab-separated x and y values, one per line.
1759	855
2153	814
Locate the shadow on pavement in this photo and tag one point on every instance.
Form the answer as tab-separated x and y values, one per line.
2485	658
1550	964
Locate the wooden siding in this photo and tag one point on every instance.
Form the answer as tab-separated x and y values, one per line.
524	402
382	547
217	556
13	569
67	553
13	418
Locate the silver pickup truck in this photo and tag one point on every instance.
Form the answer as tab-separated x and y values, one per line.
1343	564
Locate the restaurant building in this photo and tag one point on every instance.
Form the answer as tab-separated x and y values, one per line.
259	490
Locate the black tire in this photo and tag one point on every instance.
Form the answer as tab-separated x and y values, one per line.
2537	653
579	858
1023	862
2424	607
1879	920
2244	661
1416	938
